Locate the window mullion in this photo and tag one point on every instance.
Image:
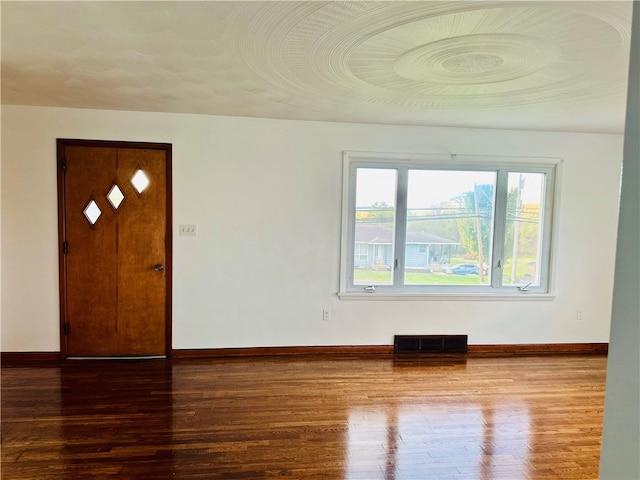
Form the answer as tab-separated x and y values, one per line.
400	227
351	223
546	221
499	228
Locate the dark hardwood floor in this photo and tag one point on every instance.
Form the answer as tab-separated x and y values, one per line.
329	417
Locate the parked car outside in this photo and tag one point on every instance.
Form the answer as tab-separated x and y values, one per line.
464	269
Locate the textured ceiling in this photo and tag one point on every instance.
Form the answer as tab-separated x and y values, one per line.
526	65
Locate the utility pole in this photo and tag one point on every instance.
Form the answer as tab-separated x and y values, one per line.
516	230
480	245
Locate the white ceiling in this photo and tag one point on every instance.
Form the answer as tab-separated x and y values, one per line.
524	65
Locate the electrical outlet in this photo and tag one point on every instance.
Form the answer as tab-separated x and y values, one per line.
188	230
579	314
326	314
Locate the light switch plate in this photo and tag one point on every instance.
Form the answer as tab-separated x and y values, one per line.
188	230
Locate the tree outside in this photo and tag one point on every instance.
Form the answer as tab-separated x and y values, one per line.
467	219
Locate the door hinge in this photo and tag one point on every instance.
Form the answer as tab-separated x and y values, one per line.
65	248
66	329
64	164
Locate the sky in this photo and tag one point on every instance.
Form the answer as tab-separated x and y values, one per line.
429	188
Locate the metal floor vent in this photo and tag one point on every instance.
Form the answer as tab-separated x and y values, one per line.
430	344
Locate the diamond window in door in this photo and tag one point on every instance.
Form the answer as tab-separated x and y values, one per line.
92	212
115	196
140	181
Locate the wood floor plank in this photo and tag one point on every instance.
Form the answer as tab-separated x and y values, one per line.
332	417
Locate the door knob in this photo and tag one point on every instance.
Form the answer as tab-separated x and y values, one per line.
159	267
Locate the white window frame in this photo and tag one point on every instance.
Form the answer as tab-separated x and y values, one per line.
402	163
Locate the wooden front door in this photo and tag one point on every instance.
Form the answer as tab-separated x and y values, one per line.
115	243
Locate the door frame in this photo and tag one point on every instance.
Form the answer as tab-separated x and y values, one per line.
61	144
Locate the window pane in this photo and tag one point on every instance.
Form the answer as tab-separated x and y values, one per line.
140	181
375	226
115	196
449	227
523	237
92	212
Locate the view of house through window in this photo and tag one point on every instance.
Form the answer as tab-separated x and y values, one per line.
375	226
437	227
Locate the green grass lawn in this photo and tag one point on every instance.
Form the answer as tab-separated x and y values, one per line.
521	269
377	277
414	278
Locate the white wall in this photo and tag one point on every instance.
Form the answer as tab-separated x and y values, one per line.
266	196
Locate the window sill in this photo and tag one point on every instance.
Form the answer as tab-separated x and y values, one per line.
509	297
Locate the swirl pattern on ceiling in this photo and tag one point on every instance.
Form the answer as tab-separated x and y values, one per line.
491	64
439	54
